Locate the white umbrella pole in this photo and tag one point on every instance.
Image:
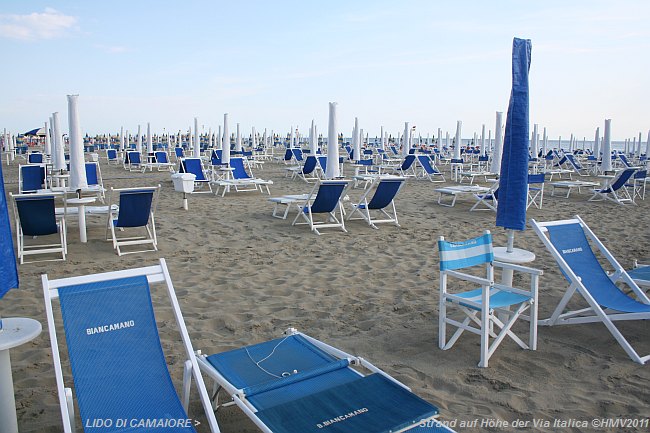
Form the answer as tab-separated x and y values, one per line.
197	139
77	165
607	147
225	144
332	144
498	144
459	125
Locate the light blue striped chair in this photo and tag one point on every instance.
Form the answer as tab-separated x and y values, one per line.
492	307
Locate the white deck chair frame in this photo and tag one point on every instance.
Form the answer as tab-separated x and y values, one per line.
332	220
362	206
594	313
155	274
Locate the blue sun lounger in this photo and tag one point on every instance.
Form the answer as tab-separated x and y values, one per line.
568	242
297	384
121	379
386	188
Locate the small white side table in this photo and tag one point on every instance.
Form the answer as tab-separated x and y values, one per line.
81	204
516	257
15	331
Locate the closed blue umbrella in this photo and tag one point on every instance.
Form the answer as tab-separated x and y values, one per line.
513	179
8	270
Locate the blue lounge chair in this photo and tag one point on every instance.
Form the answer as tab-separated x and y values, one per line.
195	166
640	274
35	216
487	200
406	168
35	158
179	153
121	379
307	171
384	192
492	306
95	181
428	171
616	189
569	243
325	199
535	190
322	166
132	161
160	162
297	384
31	178
112	156
241	179
576	166
135	210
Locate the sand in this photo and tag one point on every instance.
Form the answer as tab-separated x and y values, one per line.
243	277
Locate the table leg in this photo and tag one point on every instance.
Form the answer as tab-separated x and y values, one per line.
9	423
82	224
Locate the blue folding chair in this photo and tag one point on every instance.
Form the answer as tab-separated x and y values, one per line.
35	158
535	190
307	171
112	156
120	374
132	161
94	179
35	216
492	306
569	241
428	171
135	210
616	189
31	178
195	166
384	191
325	199
297	384
242	180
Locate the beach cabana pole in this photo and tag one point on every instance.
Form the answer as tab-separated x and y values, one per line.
332	170
495	167
225	145
459	125
606	165
77	165
197	139
59	150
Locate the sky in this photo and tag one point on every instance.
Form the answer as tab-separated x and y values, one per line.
277	64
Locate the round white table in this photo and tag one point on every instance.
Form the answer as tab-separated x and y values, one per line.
81	204
516	257
15	331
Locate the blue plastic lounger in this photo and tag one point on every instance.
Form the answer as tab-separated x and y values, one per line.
112	156
487	200
241	179
535	190
121	379
568	242
160	162
35	216
384	192
297	384
324	199
31	178
616	190
492	306
135	210
428	171
626	162
195	166
132	161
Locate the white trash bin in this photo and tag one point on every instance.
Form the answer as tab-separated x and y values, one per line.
184	182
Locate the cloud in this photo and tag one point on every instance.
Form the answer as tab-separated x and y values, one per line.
48	24
113	49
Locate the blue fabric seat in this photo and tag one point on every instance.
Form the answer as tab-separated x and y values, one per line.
324	198
133	208
384	192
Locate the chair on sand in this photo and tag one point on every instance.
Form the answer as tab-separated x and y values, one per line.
121	379
195	166
492	306
324	198
297	384
135	210
36	217
384	192
615	190
568	242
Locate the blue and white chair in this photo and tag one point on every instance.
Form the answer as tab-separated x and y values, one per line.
325	199
616	189
569	241
490	307
36	217
535	190
132	209
95	181
487	200
384	190
297	384
428	170
195	166
133	162
307	172
112	157
31	178
119	371
242	179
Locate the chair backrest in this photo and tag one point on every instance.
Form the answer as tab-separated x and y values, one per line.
621	179
92	173
239	171
328	196
310	165
36	214
135	207
134	157
35	158
111	154
425	162
386	191
161	157
536	178
458	255
32	177
192	165
179	152
573	161
408	162
322	161
288	154
215	157
297	153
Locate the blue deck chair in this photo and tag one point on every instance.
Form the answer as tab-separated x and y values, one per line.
324	199
640	274
297	154
95	181
133	162
491	306
616	190
161	162
428	170
322	166
35	158
297	384
35	216
569	243
407	167
179	152
637	184
121	378
535	190
135	210
242	180
307	172
384	192
487	200
626	162
31	178
195	166
112	156
576	166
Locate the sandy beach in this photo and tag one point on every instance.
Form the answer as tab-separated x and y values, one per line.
243	277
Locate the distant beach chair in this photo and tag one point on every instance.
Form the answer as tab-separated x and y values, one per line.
325	199
487	200
160	162
576	166
94	180
119	370
535	190
132	161
637	184
35	216
35	158
179	153
307	171
135	210
615	190
428	170
406	168
296	384
241	179
195	166
568	242
492	306
112	156
31	178
384	191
